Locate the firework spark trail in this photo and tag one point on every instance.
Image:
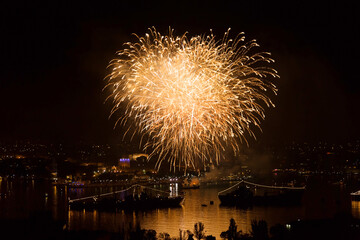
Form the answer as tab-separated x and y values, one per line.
192	97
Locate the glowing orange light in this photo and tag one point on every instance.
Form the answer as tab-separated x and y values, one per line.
192	97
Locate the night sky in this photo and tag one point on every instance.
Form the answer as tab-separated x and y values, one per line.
54	56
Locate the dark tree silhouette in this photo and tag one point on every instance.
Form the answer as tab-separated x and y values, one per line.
149	234
210	237
259	230
233	234
164	236
199	230
183	234
279	232
190	235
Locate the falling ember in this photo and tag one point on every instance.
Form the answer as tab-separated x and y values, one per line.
194	97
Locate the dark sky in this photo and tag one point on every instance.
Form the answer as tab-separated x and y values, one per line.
54	56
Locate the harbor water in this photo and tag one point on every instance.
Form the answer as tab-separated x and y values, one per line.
18	199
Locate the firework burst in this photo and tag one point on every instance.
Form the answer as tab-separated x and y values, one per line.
191	97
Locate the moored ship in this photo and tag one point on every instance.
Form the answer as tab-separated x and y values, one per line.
355	196
134	197
246	194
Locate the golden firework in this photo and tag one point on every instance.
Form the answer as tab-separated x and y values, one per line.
191	97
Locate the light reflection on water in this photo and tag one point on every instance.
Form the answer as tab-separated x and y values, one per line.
215	217
355	209
18	199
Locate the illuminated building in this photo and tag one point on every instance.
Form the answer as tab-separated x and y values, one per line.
124	163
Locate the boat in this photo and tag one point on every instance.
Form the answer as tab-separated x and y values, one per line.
241	196
355	196
134	197
192	183
246	193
